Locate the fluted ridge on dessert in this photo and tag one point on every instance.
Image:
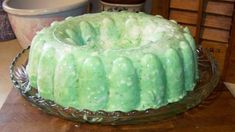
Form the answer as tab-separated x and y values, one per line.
113	61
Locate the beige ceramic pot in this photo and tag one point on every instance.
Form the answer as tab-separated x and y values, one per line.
29	16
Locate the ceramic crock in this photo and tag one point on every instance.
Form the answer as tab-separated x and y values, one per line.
119	5
29	16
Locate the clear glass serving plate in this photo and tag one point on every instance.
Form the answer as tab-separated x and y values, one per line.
209	78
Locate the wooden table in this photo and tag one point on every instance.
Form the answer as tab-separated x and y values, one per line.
216	114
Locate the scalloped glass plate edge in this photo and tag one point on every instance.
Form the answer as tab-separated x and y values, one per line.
209	78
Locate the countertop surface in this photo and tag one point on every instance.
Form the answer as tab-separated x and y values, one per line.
215	114
8	50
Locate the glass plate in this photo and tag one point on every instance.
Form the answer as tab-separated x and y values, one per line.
209	78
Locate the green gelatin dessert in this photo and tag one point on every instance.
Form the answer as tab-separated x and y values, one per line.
113	61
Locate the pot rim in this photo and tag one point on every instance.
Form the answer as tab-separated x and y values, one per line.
42	11
122	5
